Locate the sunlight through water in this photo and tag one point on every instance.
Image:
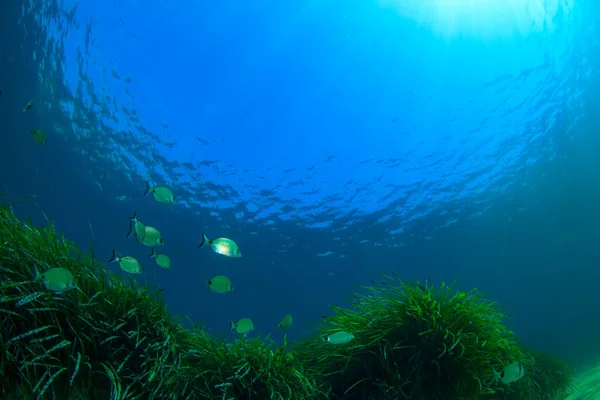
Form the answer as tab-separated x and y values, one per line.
231	132
422	172
483	19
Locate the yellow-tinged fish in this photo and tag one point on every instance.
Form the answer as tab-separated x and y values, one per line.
28	106
162	260
285	323
223	246
162	194
39	136
220	284
152	237
58	280
127	264
136	229
340	338
243	326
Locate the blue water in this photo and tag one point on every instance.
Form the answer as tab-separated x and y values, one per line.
333	141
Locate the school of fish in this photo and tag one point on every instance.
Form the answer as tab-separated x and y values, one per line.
60	280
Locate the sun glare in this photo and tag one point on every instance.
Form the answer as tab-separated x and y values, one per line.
484	19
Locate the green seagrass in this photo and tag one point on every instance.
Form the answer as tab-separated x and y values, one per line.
112	338
416	341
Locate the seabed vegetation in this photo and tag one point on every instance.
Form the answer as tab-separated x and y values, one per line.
416	341
587	384
112	338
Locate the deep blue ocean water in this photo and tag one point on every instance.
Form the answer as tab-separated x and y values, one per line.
333	141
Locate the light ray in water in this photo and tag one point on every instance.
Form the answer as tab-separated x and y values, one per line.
484	19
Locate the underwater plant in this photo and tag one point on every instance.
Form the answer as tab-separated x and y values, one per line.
587	384
71	329
549	379
417	341
102	333
255	369
99	336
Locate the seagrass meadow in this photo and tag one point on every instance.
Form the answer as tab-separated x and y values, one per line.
112	338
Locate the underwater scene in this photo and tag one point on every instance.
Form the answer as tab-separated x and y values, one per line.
279	200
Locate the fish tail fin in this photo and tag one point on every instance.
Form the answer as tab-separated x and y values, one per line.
152	254
231	326
495	376
131	230
36	274
114	257
132	221
204	241
148	189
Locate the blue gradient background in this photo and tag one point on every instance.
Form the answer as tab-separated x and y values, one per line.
333	141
